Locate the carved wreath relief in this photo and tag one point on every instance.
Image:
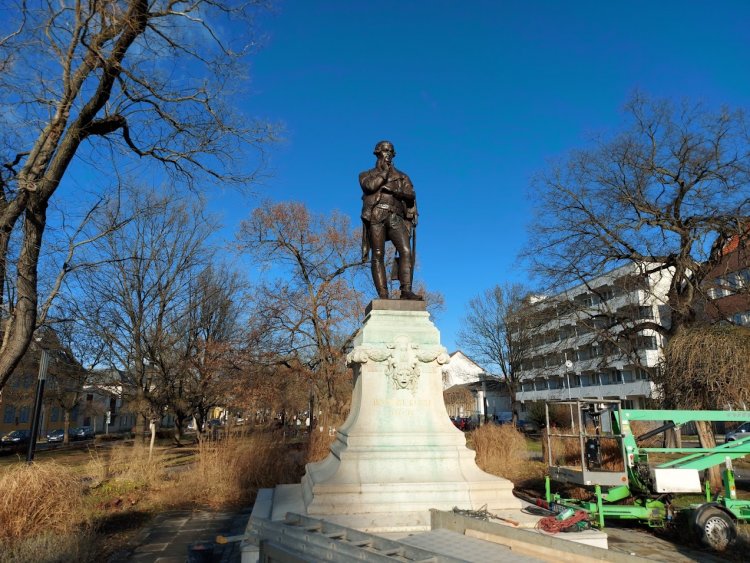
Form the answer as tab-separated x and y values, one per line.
402	360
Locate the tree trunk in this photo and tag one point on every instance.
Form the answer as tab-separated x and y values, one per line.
708	440
22	322
179	424
198	425
4	242
673	438
66	427
514	407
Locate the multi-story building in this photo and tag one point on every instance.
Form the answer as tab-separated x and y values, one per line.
62	383
728	285
583	342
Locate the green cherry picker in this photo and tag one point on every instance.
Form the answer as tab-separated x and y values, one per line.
601	453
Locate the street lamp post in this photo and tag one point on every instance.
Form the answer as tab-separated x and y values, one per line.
43	364
568	365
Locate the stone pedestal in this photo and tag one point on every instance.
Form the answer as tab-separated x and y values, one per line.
398	454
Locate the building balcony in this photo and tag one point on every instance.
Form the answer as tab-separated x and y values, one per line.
639	388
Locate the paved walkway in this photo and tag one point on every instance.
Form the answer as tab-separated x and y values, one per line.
180	536
643	543
189	536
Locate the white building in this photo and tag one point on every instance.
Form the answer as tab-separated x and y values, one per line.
460	370
490	398
575	350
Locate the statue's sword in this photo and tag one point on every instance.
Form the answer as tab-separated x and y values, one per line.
413	251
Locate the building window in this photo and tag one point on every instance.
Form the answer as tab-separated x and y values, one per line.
646	342
588	299
628	376
23	415
734	281
9	414
646	312
597	351
55	415
605	378
606	294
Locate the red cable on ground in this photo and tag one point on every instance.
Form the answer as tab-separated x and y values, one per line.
552	525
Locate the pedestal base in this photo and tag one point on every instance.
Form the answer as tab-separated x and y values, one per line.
398	452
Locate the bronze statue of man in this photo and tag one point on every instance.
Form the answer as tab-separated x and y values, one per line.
389	212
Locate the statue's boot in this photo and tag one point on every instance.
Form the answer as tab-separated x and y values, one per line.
380	279
406	293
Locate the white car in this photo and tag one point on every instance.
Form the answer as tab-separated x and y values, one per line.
740	432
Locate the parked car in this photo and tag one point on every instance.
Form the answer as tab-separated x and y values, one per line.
82	433
462	423
16	438
740	432
55	436
528	427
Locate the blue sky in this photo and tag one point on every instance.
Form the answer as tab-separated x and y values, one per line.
477	97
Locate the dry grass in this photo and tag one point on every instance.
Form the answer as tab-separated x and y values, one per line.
127	462
501	450
42	502
232	470
52	512
320	442
49	547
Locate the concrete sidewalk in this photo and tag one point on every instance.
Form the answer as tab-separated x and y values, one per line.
180	536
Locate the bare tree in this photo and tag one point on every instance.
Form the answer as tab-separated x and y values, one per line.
498	329
666	193
209	345
93	82
136	300
313	309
